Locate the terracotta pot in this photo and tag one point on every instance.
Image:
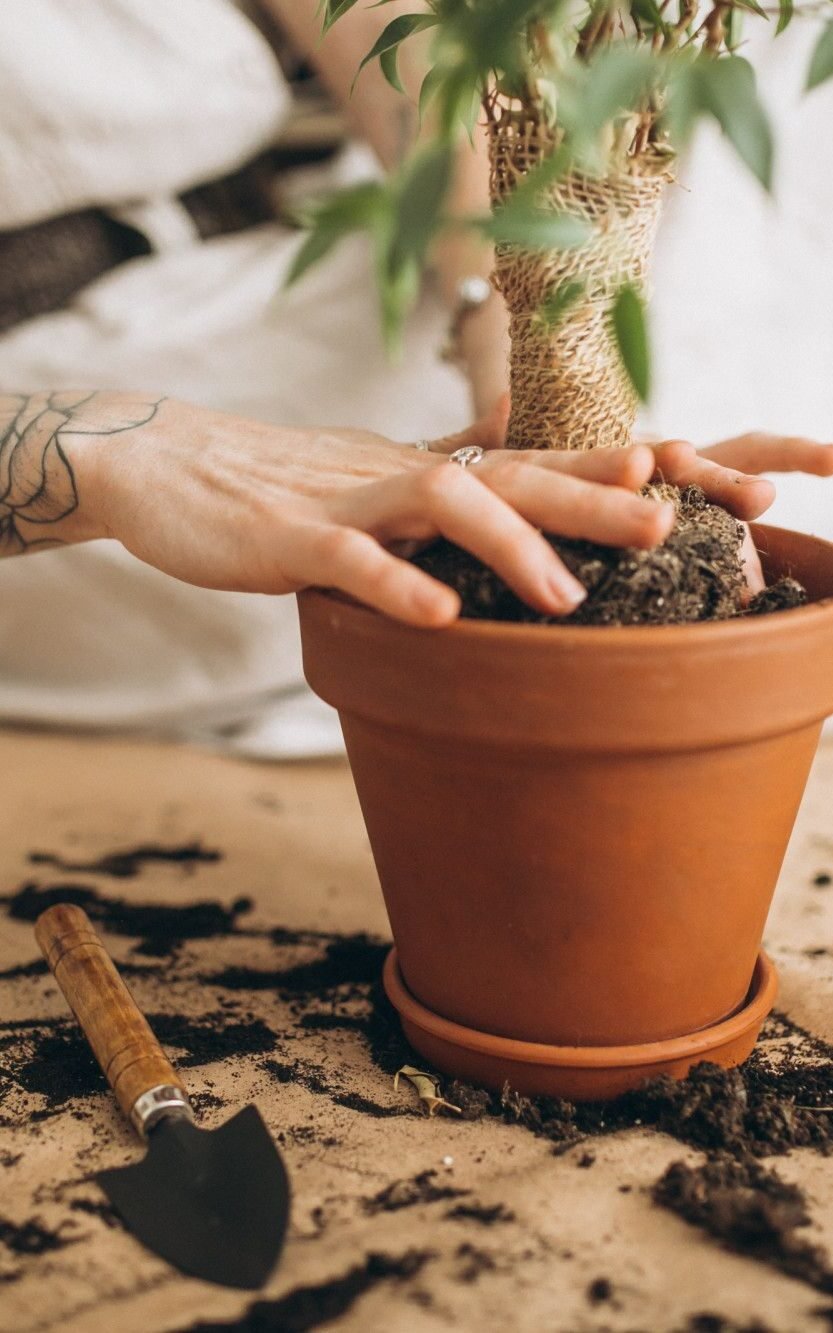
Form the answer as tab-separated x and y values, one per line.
578	831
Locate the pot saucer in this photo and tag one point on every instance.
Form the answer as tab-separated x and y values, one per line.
577	1073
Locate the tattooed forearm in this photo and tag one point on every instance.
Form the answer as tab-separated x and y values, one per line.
38	483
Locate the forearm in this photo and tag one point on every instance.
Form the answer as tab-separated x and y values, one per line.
50	464
375	111
389	122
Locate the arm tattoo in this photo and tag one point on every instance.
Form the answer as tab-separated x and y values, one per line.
37	480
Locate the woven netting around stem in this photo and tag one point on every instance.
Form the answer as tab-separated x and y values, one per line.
569	389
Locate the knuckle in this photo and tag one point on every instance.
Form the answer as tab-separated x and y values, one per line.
438	482
675	454
334	545
506	474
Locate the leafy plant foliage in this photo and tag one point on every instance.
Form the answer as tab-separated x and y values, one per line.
614	82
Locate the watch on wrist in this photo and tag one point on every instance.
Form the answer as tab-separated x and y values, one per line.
472	294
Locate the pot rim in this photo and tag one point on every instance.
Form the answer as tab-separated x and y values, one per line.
759	1002
640	689
711	632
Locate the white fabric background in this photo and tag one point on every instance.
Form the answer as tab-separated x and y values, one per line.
743	307
109	101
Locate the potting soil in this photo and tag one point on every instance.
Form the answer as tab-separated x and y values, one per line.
697	574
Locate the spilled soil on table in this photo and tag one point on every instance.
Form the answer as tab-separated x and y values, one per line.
778	1100
159	928
129	862
750	1210
329	991
309	1307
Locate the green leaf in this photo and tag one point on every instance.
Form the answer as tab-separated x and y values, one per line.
786	10
460	100
421	196
397	31
534	228
493	32
357	209
631	335
333	10
821	64
733	27
618	80
398	291
388	63
752	6
683	100
431	85
557	302
649	14
727	90
318	244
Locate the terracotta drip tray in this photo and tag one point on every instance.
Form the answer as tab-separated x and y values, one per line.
576	1073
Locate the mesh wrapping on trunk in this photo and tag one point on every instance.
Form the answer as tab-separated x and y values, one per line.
569	389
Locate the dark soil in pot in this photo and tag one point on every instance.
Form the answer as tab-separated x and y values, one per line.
697	574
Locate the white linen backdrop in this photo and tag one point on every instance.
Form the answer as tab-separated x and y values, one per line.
743	308
89	636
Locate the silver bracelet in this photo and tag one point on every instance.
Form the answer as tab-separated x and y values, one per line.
472	294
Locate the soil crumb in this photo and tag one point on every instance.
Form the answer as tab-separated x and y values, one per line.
749	1210
32	1237
600	1290
408	1193
127	864
697	574
310	1307
103	1211
782	596
315	1079
474	1262
160	927
716	1323
486	1215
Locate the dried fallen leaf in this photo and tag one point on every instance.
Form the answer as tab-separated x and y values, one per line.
428	1090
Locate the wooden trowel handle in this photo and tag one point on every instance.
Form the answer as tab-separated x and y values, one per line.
144	1081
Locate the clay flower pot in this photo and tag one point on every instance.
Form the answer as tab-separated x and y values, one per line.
578	831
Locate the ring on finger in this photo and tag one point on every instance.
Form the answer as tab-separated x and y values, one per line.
468	456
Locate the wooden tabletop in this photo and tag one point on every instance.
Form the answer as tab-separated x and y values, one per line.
241	902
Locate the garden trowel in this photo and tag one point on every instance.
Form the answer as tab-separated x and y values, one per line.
214	1203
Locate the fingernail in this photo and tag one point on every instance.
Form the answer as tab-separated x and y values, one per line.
439	607
567	591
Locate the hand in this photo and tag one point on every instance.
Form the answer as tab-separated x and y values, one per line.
726	472
743	494
229	503
761	452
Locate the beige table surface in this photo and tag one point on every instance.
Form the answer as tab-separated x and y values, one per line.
292	841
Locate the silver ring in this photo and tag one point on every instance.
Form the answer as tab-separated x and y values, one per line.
423	446
467	457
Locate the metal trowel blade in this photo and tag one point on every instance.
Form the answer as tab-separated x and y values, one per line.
212	1202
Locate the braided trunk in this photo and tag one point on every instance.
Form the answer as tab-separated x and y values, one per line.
569	388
